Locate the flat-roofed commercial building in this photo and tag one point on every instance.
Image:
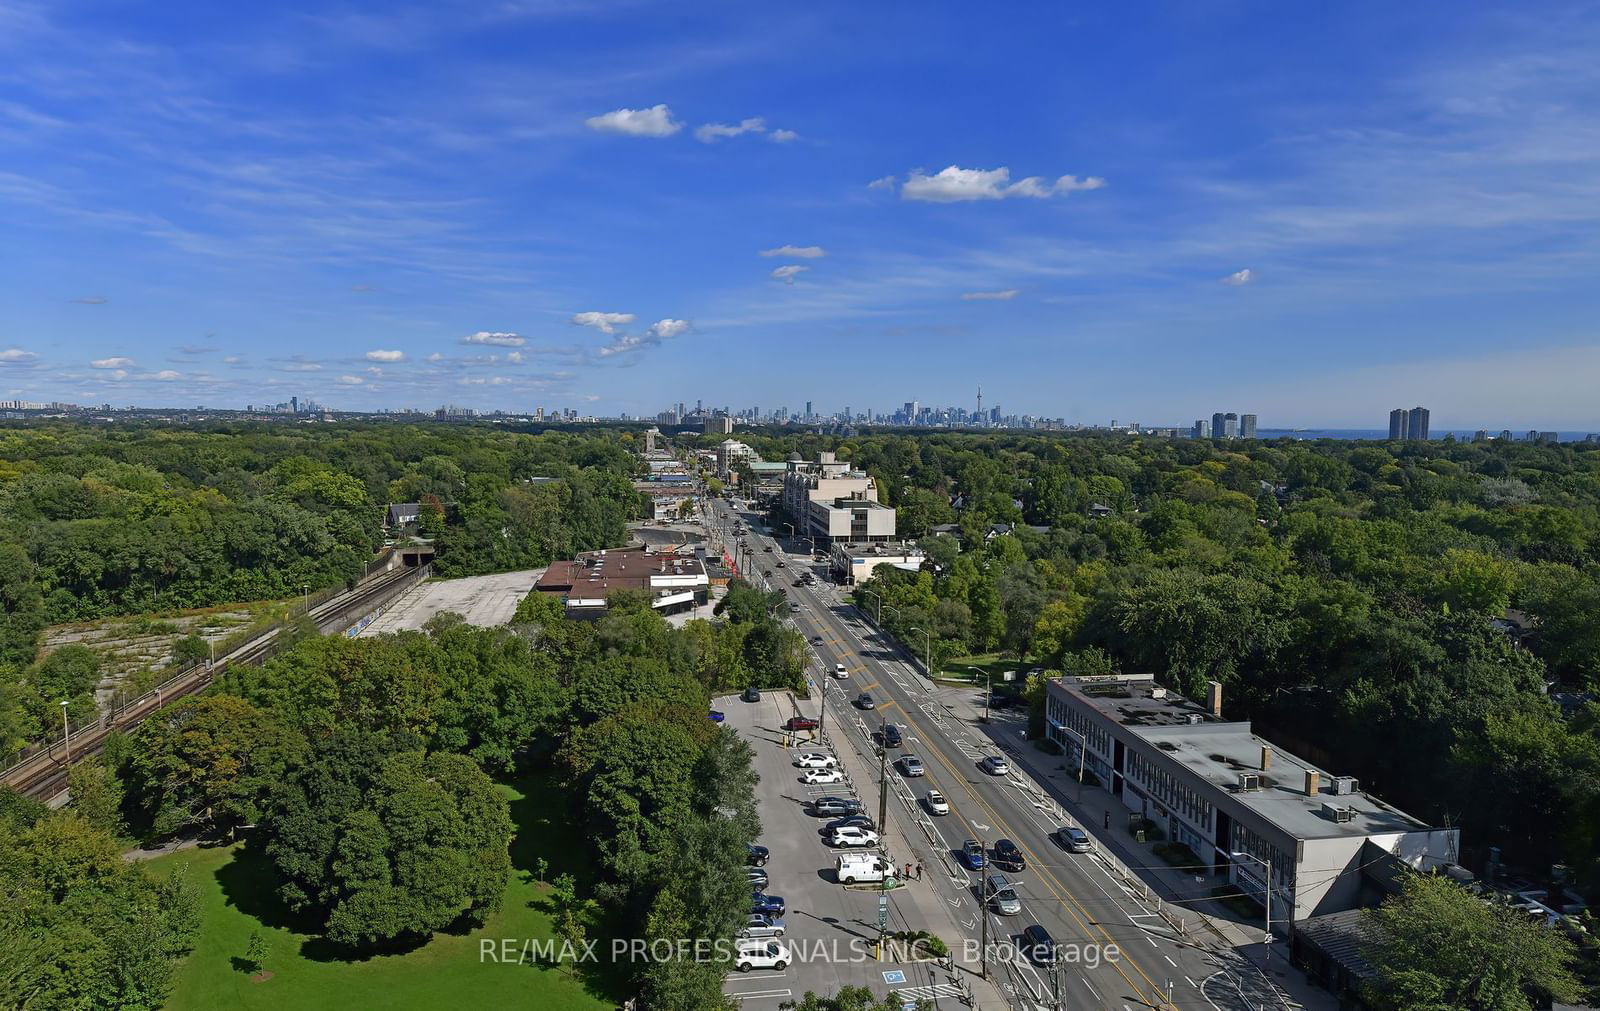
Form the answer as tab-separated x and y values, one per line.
828	480
854	562
672	582
1221	790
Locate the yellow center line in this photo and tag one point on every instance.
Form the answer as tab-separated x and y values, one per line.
1064	895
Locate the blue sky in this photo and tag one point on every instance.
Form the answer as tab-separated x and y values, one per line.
1140	211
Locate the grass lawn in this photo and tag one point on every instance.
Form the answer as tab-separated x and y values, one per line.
237	897
961	669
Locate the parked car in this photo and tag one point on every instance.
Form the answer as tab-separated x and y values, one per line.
835	807
757	878
866	701
840	672
768	547
1039	946
751	694
999	701
815	760
782	564
861	820
936	803
994	765
771	905
754	954
800	723
815	776
911	766
756	855
1000	896
1074	839
972	855
717	716
853	835
762	925
890	735
1007	856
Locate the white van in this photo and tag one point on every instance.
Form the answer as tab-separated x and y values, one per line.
755	954
854	867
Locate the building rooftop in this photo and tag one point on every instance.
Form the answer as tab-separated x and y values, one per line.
597	573
892	549
1220	752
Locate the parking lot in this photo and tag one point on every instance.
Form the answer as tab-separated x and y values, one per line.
831	929
481	600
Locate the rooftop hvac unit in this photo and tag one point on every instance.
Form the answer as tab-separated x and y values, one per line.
1338	812
1249	781
1345	785
1158	693
1195	719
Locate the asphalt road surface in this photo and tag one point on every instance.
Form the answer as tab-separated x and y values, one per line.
1073	896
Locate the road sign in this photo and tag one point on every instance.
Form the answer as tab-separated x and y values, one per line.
883	911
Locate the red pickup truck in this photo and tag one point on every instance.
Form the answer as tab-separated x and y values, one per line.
800	723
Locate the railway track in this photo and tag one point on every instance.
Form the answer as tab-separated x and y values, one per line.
44	775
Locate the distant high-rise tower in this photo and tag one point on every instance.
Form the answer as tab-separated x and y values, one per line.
294	405
1417	424
1247	426
1218	429
980	404
1397	424
1230	426
1202	428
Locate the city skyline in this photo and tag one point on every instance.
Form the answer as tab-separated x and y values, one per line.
408	207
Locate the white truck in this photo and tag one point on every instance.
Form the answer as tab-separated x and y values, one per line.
864	867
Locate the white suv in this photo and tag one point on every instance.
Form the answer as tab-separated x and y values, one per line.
762	955
853	835
815	760
840	672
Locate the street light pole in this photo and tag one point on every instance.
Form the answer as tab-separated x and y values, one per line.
883	831
1266	900
66	731
878	617
983	916
928	639
1083	747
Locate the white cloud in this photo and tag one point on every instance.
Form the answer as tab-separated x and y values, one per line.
954	184
710	133
168	375
605	322
782	136
886	183
351	380
1239	277
502	340
624	344
302	367
233	360
91	300
17	356
119	374
990	296
436	357
514	357
655	121
787	272
386	356
114	362
797	252
668	328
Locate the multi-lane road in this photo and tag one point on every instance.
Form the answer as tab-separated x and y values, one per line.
1076	897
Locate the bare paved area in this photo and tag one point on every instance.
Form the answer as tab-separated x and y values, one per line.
481	600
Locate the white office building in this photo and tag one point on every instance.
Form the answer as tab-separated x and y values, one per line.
1238	802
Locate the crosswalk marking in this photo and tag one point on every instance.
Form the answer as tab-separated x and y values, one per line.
933	992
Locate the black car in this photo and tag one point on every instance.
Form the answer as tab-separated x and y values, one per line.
890	735
756	856
1039	946
859	820
1008	857
998	701
752	694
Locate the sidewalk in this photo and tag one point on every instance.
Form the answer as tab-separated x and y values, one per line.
1106	819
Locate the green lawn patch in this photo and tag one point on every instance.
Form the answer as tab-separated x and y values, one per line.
238	897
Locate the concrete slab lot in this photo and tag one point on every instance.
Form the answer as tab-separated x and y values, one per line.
832	929
482	600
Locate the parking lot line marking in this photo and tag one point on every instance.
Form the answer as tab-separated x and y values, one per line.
1091	989
760	994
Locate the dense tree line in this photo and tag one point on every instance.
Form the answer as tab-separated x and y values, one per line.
364	771
1342	592
97	522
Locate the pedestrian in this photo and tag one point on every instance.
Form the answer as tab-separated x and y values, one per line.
919	871
1108	819
908	872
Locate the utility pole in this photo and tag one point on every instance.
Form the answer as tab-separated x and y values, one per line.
983	918
66	731
883	844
